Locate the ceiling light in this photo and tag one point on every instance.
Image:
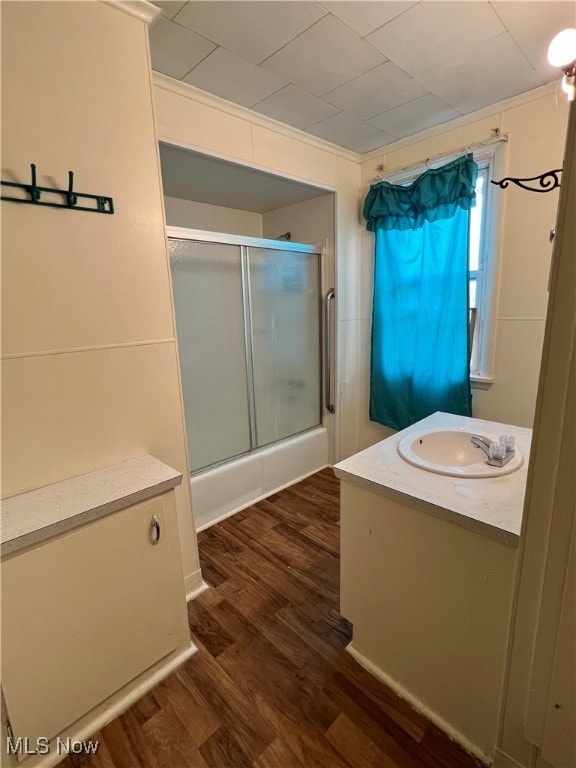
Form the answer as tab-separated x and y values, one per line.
562	49
562	54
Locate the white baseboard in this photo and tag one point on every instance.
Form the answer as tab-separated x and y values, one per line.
502	760
420	707
195	591
192	583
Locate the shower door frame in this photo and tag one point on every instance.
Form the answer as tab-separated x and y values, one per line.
325	354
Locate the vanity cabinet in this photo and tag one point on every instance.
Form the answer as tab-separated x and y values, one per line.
427	572
88	611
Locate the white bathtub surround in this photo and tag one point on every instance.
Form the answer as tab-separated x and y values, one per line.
235	485
491	506
427	569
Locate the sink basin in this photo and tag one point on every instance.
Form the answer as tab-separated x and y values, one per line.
450	452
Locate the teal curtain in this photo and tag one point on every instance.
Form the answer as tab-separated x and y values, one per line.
420	354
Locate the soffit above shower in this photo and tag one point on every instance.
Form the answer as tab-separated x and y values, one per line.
360	74
191	175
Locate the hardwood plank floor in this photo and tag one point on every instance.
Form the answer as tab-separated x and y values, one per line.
271	685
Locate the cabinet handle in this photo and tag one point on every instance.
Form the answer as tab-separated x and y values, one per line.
154	530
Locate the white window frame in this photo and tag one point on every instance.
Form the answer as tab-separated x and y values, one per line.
492	155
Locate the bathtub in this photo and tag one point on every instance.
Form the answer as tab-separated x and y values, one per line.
221	491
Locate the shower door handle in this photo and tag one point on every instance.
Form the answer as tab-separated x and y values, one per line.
329	298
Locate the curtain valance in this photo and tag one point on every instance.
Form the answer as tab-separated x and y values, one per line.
434	196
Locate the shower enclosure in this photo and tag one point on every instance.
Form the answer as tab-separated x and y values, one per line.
249	324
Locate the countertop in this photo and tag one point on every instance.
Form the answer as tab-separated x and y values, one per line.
32	517
491	506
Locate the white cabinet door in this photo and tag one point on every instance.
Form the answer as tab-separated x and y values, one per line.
82	615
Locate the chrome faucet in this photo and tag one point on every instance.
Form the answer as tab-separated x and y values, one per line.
482	443
498	454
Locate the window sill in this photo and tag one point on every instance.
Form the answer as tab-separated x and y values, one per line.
481	382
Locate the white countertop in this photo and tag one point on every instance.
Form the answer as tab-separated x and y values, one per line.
31	517
491	506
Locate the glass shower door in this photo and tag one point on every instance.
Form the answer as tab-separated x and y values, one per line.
248	325
285	315
208	297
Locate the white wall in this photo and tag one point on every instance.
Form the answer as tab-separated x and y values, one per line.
89	372
311	221
536	131
214	218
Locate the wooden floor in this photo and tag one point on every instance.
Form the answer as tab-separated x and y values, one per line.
271	685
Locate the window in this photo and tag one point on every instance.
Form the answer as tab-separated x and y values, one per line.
477	264
482	258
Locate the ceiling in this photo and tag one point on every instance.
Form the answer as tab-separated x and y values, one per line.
360	74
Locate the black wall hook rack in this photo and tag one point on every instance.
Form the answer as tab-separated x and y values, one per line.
546	181
101	204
